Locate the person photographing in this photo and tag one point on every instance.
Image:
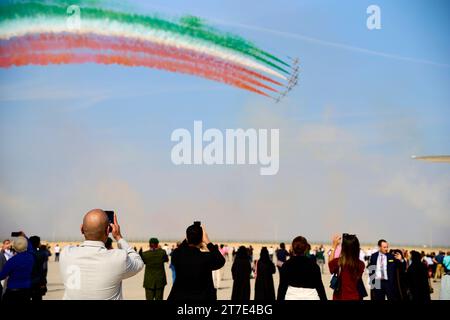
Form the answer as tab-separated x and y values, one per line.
93	272
194	267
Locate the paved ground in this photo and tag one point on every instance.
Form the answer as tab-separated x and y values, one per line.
132	288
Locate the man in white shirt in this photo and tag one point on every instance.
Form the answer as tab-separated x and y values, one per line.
6	249
57	252
429	260
90	271
383	273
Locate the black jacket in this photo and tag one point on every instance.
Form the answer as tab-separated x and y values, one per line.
194	273
394	268
301	272
390	268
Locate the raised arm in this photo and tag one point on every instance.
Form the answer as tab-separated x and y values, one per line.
134	262
335	242
217	260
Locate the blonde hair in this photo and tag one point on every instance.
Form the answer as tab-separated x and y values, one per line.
20	244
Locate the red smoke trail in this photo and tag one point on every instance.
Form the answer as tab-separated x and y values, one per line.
22	59
47	42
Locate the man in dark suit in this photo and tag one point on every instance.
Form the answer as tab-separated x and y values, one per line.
383	273
194	267
155	274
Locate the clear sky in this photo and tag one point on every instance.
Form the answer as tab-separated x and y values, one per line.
78	137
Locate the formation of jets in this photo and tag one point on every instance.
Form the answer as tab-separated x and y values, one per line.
292	81
295	61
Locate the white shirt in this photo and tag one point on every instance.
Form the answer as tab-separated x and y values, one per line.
381	271
57	249
8	254
92	272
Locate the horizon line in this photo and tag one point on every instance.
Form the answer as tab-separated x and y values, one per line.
272	242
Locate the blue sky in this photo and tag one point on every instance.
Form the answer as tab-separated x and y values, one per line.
77	137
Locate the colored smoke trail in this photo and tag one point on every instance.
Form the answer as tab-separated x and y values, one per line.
129	60
29	26
28	10
38	33
49	42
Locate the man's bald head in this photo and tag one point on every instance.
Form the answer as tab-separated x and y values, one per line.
95	225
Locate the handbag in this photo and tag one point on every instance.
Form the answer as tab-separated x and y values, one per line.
335	282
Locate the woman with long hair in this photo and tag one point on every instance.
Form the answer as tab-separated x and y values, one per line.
348	268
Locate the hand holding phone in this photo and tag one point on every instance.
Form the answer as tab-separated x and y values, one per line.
110	215
18	234
336	240
205	238
115	228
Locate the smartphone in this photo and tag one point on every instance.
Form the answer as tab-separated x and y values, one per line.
110	215
197	223
15	234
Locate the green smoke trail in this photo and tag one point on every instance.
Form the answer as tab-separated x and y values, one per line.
188	26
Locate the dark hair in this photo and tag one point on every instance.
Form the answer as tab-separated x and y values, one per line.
395	251
380	242
415	257
300	245
194	234
264	255
35	241
282	245
242	253
350	249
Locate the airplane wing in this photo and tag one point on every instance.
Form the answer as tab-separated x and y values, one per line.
442	158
